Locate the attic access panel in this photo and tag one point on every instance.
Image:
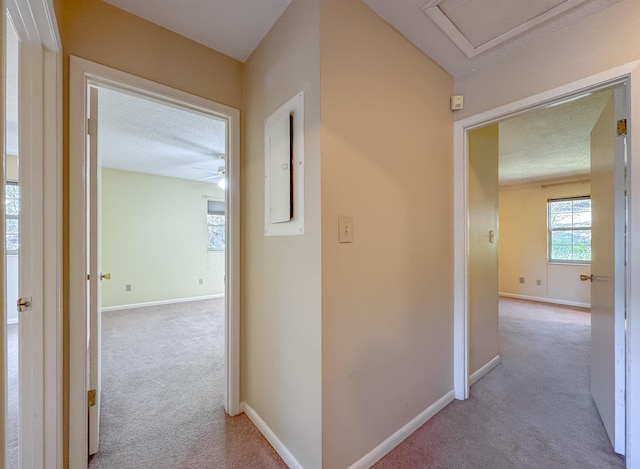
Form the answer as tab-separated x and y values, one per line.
476	27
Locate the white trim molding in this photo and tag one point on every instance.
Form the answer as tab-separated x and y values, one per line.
630	74
40	151
82	74
160	303
495	361
403	433
271	437
542	299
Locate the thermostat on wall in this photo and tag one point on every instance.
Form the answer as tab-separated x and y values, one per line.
457	102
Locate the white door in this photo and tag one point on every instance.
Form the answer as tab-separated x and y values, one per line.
94	276
607	270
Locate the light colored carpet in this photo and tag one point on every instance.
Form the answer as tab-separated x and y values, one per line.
532	411
162	393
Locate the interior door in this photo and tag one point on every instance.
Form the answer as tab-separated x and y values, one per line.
94	276
607	269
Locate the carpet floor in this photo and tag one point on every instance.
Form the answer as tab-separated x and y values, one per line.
532	411
163	377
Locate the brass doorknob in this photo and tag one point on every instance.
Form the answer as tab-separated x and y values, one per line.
105	276
584	278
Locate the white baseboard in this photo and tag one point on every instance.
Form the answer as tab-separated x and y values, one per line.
160	303
495	361
546	300
402	434
271	437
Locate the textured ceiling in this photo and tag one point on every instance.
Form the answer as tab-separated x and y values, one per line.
141	135
234	28
550	143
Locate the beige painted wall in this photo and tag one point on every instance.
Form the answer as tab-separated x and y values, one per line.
483	254
598	43
387	325
102	33
154	237
281	301
97	31
523	247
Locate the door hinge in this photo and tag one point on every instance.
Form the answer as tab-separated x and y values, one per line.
91	397
92	127
24	304
622	127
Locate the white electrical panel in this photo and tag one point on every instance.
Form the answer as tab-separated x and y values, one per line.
284	169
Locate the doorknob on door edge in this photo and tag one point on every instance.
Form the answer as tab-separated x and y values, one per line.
584	277
105	276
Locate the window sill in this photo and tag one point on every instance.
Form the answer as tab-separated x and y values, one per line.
588	264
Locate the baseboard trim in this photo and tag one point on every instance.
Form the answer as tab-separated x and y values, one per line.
495	361
403	433
160	303
546	300
271	437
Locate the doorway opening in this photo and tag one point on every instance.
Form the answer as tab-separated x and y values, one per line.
553	160
160	235
161	260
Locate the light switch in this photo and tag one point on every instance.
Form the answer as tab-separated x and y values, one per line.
345	225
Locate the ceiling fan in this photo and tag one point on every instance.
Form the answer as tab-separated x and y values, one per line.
216	174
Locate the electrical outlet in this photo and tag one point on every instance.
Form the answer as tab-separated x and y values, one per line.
127	287
539	282
201	281
521	279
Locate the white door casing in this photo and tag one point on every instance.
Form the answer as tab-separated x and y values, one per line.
40	152
629	73
82	74
607	269
94	272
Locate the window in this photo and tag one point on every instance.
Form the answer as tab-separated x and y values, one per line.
12	215
569	225
216	225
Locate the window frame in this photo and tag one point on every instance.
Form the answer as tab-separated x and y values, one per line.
220	211
550	231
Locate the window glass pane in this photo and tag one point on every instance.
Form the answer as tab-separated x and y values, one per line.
12	234
560	206
12	196
582	219
582	205
561	220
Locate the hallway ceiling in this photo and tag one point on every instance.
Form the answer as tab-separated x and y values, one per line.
233	27
493	29
543	144
460	35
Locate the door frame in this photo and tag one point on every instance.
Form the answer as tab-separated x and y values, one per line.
83	72
40	124
631	74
